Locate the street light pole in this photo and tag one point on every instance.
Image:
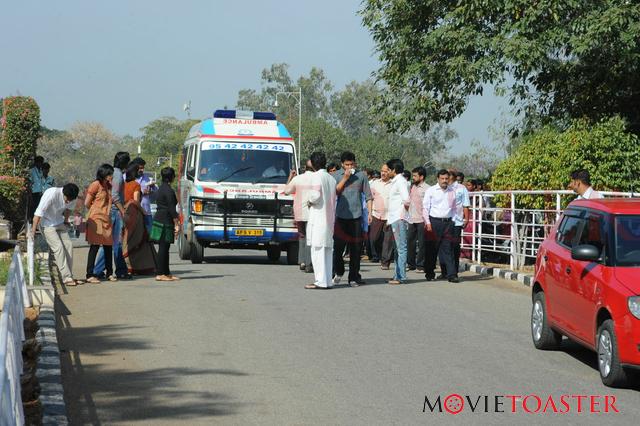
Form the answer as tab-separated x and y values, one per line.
298	97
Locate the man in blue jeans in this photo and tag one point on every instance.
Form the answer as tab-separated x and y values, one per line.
397	217
120	163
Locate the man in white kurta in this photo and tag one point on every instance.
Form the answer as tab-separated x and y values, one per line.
322	216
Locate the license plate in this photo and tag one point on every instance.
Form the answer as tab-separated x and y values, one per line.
249	232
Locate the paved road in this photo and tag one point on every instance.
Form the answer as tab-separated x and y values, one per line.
239	341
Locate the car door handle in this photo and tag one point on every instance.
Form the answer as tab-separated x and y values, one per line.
568	270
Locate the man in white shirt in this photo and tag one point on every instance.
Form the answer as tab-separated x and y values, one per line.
581	185
52	214
322	218
397	217
300	185
438	209
380	236
460	218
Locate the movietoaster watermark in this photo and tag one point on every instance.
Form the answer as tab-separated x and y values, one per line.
533	404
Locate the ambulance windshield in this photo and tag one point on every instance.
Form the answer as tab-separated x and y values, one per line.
245	162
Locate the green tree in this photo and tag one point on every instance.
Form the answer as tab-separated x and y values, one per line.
76	154
479	163
545	159
164	137
558	59
336	121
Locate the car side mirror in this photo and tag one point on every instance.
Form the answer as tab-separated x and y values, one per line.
585	252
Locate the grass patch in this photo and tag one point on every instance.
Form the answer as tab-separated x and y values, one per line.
4	270
5	263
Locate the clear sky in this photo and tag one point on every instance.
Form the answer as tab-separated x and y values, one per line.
125	63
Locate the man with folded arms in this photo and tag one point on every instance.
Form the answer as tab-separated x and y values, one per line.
438	210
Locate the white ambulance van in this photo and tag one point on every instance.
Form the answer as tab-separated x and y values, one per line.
233	171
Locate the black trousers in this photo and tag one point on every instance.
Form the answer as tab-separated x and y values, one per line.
162	260
443	231
304	251
415	246
347	234
381	240
91	259
33	204
456	237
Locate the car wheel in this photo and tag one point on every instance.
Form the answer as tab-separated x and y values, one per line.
184	250
544	337
273	253
197	251
292	254
611	371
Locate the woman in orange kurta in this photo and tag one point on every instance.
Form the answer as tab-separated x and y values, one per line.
99	229
138	253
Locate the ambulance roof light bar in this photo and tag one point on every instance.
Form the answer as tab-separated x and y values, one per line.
243	115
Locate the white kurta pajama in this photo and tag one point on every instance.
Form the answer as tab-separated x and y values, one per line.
322	216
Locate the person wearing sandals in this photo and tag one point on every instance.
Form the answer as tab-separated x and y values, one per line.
165	224
99	226
52	214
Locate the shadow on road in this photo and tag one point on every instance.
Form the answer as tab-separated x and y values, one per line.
128	393
590	358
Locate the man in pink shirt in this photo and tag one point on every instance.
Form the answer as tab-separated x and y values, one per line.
380	235
415	236
300	186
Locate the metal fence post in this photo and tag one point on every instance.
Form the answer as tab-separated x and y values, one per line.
480	230
512	255
30	255
474	216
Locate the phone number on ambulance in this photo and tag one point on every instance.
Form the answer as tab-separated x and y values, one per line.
246	146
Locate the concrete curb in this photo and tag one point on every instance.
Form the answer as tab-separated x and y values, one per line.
506	274
48	372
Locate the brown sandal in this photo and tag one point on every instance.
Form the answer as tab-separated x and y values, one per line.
314	287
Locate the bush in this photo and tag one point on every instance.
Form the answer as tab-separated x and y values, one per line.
546	158
12	189
20	131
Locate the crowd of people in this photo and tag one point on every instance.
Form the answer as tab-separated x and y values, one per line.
120	228
394	218
392	215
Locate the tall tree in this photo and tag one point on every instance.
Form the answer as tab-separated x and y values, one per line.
560	59
164	137
335	121
75	154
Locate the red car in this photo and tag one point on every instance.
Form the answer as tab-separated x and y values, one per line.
587	284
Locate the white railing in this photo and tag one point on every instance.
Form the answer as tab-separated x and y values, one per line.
11	339
513	234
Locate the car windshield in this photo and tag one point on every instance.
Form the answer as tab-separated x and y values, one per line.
627	240
245	162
